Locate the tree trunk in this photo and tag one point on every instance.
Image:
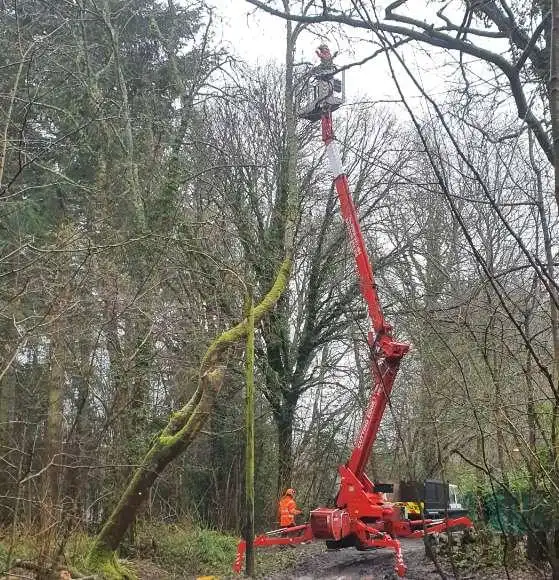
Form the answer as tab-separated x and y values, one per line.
554	88
249	446
554	110
182	429
536	547
54	426
7	402
287	409
51	514
284	422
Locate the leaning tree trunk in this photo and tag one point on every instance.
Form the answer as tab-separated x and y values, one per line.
181	430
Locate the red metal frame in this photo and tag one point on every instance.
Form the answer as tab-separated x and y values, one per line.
361	518
282	537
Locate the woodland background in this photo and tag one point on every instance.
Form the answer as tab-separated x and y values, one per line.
144	184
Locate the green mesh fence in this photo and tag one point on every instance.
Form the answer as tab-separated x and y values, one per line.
513	514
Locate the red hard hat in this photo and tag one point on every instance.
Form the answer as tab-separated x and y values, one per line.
290	491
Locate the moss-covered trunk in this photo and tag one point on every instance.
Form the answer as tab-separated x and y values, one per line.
181	430
249	444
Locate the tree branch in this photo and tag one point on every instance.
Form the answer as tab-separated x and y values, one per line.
434	37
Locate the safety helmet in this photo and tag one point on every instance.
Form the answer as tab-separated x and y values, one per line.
290	491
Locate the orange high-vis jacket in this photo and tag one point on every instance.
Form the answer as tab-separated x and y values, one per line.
287	511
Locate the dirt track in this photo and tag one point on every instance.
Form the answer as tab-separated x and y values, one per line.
350	564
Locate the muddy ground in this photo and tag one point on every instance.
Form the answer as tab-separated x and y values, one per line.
349	564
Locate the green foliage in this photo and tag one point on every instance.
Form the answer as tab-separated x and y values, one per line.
467	481
110	567
3	556
77	554
518	481
184	549
77	549
24	547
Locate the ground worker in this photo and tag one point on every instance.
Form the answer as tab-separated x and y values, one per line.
287	509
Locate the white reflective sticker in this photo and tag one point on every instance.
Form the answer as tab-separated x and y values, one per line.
334	158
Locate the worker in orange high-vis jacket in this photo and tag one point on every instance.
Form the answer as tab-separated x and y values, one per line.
287	509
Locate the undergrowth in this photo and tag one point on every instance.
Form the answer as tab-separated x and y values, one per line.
489	550
23	547
183	548
26	546
180	549
189	549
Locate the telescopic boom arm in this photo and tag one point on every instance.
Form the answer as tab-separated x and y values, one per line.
386	353
362	517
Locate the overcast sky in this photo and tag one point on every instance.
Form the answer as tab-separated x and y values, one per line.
257	38
252	34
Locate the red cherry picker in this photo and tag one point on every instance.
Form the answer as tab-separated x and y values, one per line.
361	518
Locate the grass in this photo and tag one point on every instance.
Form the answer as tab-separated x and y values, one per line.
185	548
189	549
23	548
180	549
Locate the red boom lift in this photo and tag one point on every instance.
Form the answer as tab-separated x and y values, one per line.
361	518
